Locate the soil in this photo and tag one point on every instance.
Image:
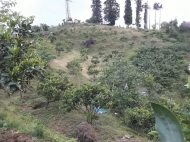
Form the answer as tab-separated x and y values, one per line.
13	136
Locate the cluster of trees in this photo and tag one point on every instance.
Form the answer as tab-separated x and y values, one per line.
112	12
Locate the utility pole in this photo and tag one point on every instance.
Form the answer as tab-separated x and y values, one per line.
68	14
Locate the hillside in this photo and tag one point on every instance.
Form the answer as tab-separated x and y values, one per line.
110	45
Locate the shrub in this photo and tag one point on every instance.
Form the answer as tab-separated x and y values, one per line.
86	97
44	27
38	131
140	118
166	64
74	66
123	39
53	85
85	133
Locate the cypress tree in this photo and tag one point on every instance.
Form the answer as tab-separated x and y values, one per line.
111	11
146	7
138	10
128	13
96	11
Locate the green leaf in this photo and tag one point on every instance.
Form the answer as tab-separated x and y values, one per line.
167	124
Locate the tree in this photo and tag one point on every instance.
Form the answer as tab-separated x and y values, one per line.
44	27
59	48
156	7
96	11
145	7
18	61
160	7
128	13
111	11
138	10
122	79
53	85
87	98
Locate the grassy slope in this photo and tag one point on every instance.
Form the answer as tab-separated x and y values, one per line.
107	38
108	127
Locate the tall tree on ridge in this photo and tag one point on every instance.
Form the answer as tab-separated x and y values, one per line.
156	7
160	7
138	10
128	13
96	11
111	11
145	7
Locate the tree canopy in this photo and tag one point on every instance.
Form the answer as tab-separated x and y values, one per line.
96	11
128	13
111	11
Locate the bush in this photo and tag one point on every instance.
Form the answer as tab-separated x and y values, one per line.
166	64
53	85
38	131
85	133
140	118
44	27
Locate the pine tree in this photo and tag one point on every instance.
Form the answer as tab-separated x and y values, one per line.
138	10
111	11
96	11
128	13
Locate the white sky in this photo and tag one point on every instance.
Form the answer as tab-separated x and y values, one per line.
52	12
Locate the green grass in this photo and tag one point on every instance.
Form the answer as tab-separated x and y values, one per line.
26	123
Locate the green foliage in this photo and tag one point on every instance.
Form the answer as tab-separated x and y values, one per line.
140	118
36	28
184	27
138	10
166	64
95	60
74	66
59	48
18	62
53	85
92	70
44	27
167	124
122	79
145	7
111	11
128	13
52	38
38	130
123	39
85	98
96	11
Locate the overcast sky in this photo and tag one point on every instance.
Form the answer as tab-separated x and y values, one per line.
52	12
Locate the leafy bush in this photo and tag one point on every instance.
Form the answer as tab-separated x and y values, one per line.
166	64
53	85
140	118
123	39
184	28
74	66
85	98
44	27
52	38
122	79
36	28
18	61
38	131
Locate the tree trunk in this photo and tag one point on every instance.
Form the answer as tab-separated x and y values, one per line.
155	19
160	19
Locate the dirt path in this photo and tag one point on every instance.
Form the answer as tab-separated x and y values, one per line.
62	63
